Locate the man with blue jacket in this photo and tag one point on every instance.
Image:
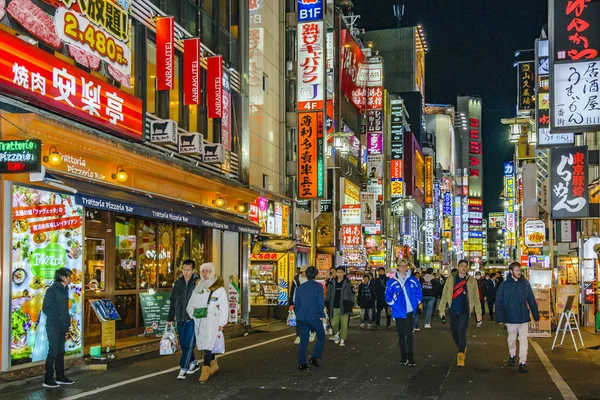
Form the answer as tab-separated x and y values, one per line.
309	308
513	302
403	294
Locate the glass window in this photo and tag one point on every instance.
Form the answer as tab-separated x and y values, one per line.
125	262
182	247
207	6
234	14
189	17
165	255
197	253
126	306
223	14
151	74
95	274
147	253
208	30
175	92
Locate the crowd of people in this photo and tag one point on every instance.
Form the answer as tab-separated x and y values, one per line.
199	308
406	294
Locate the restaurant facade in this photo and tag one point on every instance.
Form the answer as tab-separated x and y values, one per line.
137	173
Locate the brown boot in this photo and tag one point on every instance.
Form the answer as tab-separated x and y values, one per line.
214	367
205	374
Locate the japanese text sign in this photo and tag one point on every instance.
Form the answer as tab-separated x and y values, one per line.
226	118
509	168
575	101
534	233
214	86
396	188
374	143
191	71
374	121
569	191
310	10
20	156
369	211
429	241
311	71
310	161
575	28
428	180
396	169
351	59
526	86
351	214
165	52
351	235
31	73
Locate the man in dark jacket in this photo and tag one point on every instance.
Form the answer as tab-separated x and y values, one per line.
298	280
58	320
365	302
491	293
309	306
180	296
512	301
380	285
340	301
431	288
482	285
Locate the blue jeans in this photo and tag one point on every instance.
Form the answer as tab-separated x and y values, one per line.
428	303
305	327
187	341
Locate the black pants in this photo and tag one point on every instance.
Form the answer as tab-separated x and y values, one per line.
459	324
380	307
208	357
404	327
482	307
56	355
491	302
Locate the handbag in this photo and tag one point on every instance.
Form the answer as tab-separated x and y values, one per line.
203	312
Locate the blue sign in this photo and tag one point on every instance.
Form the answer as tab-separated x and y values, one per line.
447	203
475	235
509	168
310	10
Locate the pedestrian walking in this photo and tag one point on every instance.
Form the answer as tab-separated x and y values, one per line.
366	301
514	301
431	288
482	287
180	297
403	294
58	321
298	280
310	305
329	281
380	284
491	294
460	294
209	308
340	300
417	275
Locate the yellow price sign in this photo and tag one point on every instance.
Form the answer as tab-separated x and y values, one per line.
397	188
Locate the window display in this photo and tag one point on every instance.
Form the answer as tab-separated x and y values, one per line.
263	287
147	253
95	274
125	262
166	236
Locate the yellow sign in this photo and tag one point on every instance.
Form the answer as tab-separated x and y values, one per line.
428	180
285	221
351	191
292	267
108	336
397	188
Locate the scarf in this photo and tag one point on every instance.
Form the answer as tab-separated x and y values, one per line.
205	284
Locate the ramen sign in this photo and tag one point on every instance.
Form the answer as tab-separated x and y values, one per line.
534	233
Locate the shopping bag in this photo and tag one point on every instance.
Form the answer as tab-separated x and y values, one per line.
291	319
168	342
219	347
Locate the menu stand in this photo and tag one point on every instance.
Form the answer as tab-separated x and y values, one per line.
107	315
570	324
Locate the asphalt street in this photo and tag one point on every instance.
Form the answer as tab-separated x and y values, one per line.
263	366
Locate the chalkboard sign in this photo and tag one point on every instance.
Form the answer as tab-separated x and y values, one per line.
155	311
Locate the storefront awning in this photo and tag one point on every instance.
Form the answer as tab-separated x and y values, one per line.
95	195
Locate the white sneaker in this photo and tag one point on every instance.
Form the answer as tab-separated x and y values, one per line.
182	374
362	326
417	329
312	337
297	341
342	343
336	338
329	331
368	326
427	326
193	367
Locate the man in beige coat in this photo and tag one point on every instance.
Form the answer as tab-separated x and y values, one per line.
461	295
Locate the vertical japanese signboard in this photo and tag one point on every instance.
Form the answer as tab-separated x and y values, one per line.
311	87
574	45
351	59
165	52
525	86
226	127
475	150
569	193
191	71
310	160
368	204
397	133
429	242
214	86
428	180
351	235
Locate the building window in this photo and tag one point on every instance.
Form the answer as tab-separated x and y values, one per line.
182	248
147	253
166	237
125	260
151	98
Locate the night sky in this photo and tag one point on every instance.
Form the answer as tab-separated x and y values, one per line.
471	52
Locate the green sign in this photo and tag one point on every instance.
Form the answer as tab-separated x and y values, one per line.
44	262
155	311
20	156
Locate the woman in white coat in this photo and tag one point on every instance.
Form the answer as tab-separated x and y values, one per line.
210	294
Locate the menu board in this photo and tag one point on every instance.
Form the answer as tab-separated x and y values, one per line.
542	327
155	311
46	235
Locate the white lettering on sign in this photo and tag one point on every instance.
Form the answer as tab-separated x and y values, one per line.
169	64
